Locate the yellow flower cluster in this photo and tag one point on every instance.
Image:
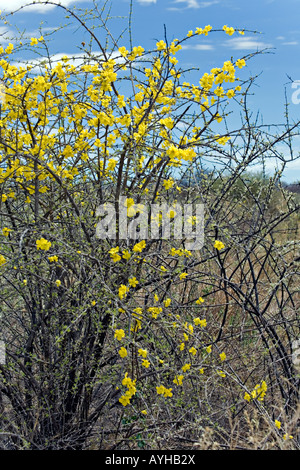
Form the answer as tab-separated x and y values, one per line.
178	379
138	247
123	290
114	254
228	30
162	390
155	311
137	316
179	252
131	390
258	392
201	323
43	244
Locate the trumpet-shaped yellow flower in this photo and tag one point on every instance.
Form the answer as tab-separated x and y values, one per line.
142	352
219	245
123	291
119	334
123	352
178	380
133	281
43	244
222	356
161	45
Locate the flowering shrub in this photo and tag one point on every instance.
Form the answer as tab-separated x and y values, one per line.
98	329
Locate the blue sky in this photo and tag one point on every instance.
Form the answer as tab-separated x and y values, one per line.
276	21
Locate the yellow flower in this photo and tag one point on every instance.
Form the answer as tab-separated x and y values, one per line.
186	367
167	302
34	41
240	63
6	231
219	245
144	412
113	252
123	291
277	424
222	356
193	351
145	363
183	275
168	184
43	244
247	397
119	334
201	323
52	259
133	281
138	247
200	301
230	93
123	352
124	400
221	373
161	45
208	349
178	380
219	91
58	282
154	311
166	392
25	282
9	48
160	390
181	346
142	352
123	51
286	436
228	30
126	255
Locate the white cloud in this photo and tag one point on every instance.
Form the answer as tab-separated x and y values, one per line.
37	7
290	43
146	2
246	44
199	47
189	3
195	4
77	60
